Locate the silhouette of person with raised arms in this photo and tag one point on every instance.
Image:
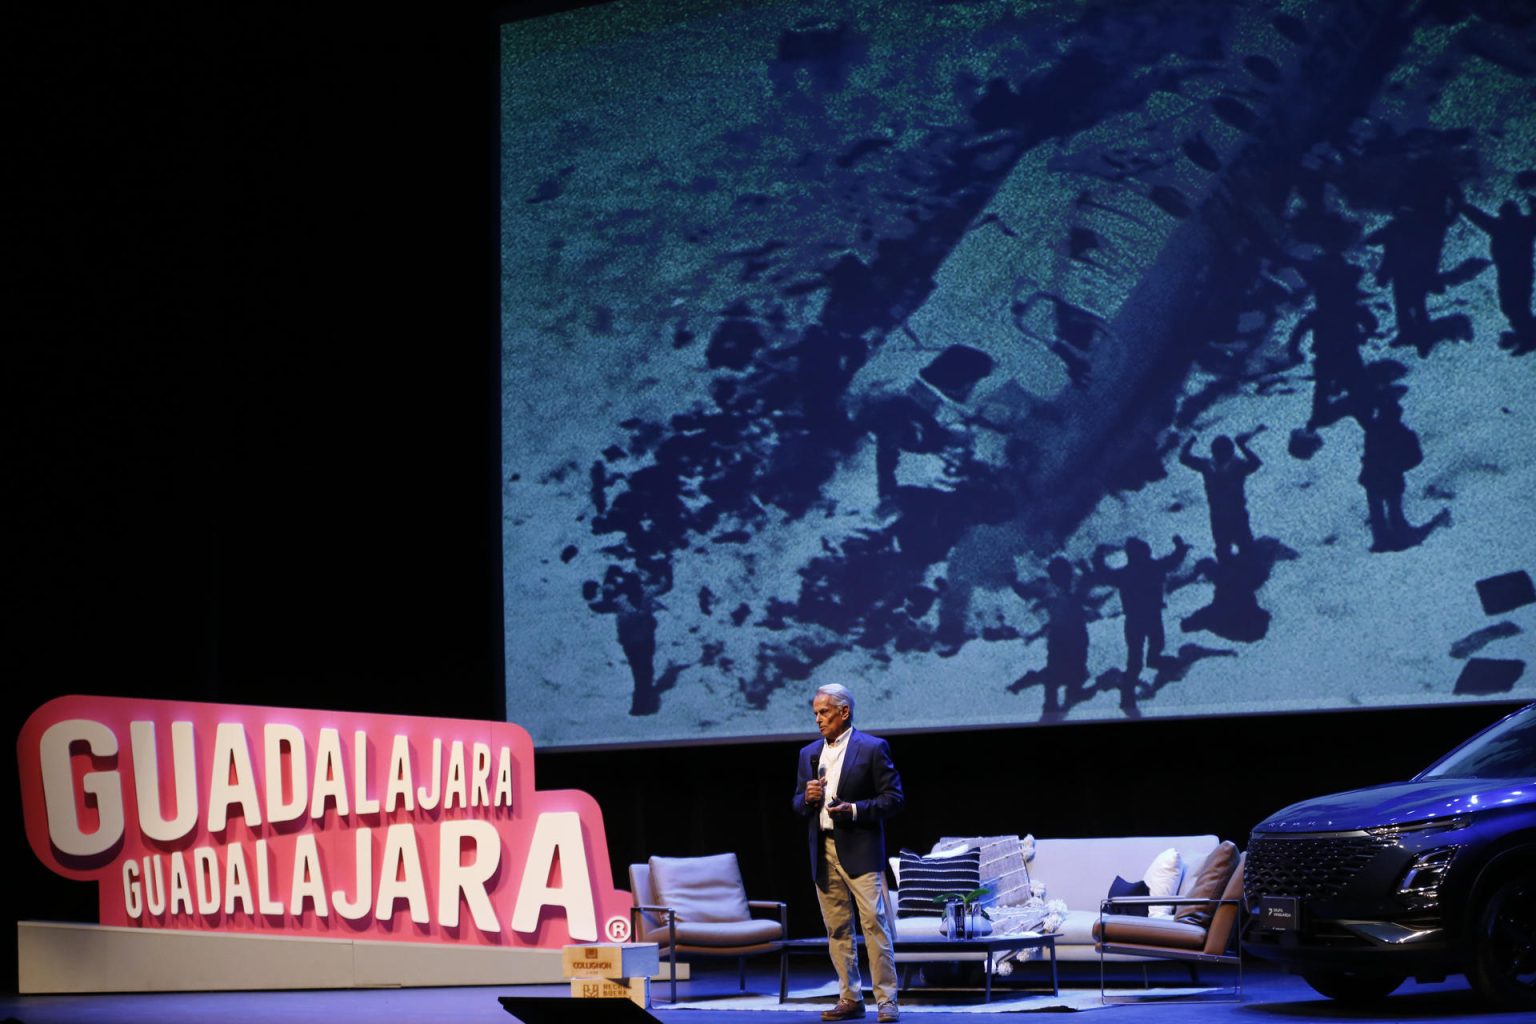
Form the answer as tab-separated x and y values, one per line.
1511	239
1226	474
1064	594
1390	450
1140	582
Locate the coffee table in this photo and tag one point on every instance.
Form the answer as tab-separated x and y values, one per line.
990	945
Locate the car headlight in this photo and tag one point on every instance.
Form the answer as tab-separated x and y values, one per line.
1426	827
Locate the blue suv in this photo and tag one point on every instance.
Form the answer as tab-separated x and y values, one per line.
1358	891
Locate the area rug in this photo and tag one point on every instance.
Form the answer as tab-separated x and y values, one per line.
934	1001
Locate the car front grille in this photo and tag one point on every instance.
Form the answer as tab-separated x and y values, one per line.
1309	866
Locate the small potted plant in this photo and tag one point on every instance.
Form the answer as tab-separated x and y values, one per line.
961	910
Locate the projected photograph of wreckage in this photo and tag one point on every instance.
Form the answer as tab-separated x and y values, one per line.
1023	361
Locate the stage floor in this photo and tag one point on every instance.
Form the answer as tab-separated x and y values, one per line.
1268	996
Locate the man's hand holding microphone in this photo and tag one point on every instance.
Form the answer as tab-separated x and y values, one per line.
816	792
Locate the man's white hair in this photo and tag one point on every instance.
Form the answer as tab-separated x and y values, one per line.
839	694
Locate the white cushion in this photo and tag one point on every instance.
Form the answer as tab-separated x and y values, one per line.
951	848
1163	877
701	889
1077	927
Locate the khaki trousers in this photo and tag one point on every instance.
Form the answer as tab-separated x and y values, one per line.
842	895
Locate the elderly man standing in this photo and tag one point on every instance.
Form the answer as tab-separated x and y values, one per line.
846	786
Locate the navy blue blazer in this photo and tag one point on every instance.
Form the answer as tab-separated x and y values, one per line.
870	782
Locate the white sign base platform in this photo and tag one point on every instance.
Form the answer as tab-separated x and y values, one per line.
61	957
65	957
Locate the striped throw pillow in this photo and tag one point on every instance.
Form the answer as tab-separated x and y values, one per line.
923	878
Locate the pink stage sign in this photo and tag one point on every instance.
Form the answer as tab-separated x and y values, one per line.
323	823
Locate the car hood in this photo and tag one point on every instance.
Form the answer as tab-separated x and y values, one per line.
1398	803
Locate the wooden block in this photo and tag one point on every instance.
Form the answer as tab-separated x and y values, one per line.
611	960
636	990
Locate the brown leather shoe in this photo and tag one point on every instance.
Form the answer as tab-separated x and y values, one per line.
844	1010
889	1013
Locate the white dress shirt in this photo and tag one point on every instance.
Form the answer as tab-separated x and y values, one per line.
831	769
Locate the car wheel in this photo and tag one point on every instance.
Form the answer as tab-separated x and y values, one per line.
1504	946
1347	987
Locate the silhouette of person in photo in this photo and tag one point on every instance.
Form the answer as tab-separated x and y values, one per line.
1064	593
1390	450
1411	246
637	638
1234	612
1511	240
1225	475
1340	323
1140	583
624	596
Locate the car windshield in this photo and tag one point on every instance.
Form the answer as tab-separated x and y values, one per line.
1506	751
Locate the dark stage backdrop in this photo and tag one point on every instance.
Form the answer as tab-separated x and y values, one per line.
906	345
249	369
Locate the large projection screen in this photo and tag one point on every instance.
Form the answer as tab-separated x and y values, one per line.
1014	362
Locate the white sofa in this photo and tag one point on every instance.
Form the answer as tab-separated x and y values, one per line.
1078	872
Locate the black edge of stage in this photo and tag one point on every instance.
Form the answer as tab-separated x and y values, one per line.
565	1010
1268	995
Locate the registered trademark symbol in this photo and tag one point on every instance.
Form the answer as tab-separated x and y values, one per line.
618	929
